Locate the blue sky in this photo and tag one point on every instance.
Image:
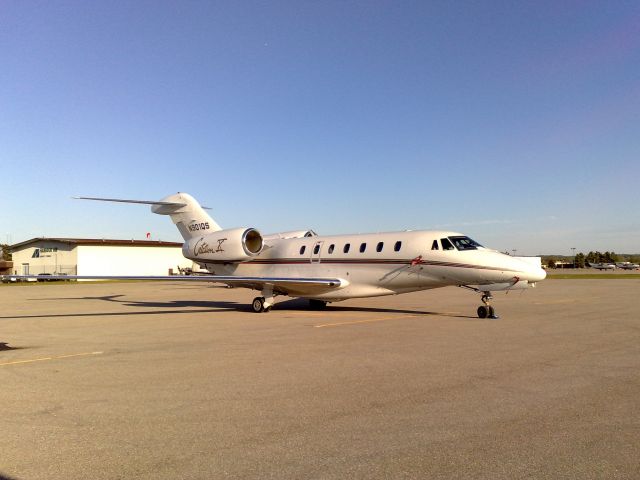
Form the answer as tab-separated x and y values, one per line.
517	123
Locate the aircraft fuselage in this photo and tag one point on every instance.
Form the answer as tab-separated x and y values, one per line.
381	263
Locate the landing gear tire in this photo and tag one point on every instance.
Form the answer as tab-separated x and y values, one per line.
317	304
486	310
258	305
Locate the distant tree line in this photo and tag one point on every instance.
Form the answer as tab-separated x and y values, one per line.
581	260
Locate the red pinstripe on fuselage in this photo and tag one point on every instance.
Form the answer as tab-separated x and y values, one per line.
415	266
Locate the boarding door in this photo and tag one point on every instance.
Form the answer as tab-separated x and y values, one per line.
316	252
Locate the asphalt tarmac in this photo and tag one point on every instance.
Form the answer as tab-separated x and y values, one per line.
167	381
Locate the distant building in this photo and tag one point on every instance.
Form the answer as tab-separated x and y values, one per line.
562	264
89	256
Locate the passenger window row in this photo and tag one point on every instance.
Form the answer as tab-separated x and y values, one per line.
347	246
450	243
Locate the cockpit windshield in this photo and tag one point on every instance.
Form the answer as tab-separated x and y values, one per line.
465	243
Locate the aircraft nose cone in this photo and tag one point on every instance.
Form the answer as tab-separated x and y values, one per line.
537	274
530	272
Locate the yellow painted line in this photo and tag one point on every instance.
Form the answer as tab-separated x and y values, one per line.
382	319
303	314
16	362
371	320
560	302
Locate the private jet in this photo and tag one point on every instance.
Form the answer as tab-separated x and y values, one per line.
333	268
603	266
627	266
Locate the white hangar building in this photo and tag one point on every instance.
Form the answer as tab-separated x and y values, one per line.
89	256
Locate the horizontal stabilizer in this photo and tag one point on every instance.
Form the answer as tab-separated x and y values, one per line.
121	200
143	202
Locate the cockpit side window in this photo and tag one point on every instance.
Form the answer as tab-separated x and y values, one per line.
446	244
434	245
465	243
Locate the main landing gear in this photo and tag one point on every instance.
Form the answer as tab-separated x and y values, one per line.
486	310
264	303
258	305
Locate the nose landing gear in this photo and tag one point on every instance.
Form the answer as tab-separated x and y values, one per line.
486	310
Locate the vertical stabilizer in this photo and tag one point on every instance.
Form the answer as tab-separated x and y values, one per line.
187	214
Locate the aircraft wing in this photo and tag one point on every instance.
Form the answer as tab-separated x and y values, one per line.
282	285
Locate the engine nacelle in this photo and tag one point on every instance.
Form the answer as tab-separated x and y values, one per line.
232	245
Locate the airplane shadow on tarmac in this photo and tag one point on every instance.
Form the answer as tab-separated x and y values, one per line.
210	306
302	304
172	307
4	347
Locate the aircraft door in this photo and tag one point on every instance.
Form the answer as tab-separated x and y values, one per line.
316	252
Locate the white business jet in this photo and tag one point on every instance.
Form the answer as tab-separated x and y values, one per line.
603	266
333	268
627	266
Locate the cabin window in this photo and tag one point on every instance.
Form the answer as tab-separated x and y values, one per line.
379	247
446	244
465	243
346	248
316	249
331	247
363	247
434	245
302	249
397	246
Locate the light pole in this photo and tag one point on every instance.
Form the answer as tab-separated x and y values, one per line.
573	250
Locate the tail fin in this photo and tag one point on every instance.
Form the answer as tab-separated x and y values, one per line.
187	214
184	210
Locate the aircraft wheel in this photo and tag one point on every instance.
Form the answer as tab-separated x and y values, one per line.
492	313
258	304
483	311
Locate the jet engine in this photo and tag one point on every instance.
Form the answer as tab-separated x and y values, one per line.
232	245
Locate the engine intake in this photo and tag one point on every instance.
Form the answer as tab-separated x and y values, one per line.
232	245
